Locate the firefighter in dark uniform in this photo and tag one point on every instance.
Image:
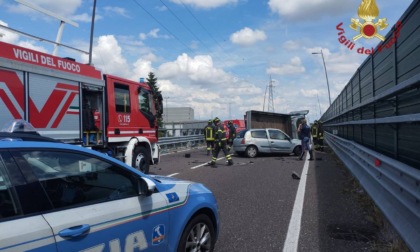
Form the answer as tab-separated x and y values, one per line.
232	134
317	135
220	143
209	136
314	133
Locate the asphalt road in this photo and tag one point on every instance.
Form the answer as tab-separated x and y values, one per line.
257	200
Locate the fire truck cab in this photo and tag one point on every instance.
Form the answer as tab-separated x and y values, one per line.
77	104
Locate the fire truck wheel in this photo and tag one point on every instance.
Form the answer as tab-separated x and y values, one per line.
141	159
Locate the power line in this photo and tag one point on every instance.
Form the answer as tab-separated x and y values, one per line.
186	27
164	27
183	24
210	51
202	26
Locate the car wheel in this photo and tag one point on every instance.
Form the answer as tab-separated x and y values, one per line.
198	235
141	159
297	150
251	151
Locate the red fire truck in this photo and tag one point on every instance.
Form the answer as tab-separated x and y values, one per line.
238	124
76	104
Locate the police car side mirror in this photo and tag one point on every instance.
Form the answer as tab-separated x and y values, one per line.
146	186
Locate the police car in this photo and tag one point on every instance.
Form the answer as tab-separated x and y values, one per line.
60	197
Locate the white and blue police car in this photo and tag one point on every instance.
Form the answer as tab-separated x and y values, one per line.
60	197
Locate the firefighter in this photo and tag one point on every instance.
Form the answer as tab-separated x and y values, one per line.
220	143
317	135
320	136
232	134
209	136
314	134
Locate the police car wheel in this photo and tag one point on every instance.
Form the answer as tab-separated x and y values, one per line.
297	150
141	159
251	151
198	235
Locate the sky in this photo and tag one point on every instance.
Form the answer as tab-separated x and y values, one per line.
219	57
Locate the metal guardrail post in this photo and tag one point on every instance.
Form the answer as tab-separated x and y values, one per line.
392	185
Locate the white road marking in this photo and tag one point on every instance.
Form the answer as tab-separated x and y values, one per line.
198	166
173	174
293	232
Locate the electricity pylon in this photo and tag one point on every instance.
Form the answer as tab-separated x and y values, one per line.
270	104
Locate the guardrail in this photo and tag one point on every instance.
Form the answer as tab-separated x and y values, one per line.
167	143
379	107
392	185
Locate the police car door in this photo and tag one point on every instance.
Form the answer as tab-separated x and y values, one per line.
279	141
20	228
98	207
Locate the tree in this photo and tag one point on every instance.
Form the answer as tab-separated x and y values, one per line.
157	97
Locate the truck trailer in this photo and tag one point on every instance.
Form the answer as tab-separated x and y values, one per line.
288	123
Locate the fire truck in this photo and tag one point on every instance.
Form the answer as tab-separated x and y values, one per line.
238	124
77	104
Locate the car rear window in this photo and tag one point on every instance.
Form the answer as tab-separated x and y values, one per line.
241	134
259	134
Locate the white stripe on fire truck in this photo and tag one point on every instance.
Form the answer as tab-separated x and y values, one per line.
73	109
132	132
60	132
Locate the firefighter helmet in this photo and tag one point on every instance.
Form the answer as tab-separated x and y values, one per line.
230	122
216	120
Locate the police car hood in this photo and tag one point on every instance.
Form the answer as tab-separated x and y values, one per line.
169	180
168	184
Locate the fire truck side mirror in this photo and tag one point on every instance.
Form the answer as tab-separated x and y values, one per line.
160	102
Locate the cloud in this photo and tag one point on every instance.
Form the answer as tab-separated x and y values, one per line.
6	35
112	10
199	70
342	62
85	17
309	92
142	68
63	8
309	9
154	33
291	45
107	54
294	67
205	4
247	37
31	45
13	38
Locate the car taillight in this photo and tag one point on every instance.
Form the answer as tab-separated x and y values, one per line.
243	141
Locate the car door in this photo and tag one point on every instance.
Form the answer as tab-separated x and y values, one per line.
279	142
20	229
97	206
260	139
